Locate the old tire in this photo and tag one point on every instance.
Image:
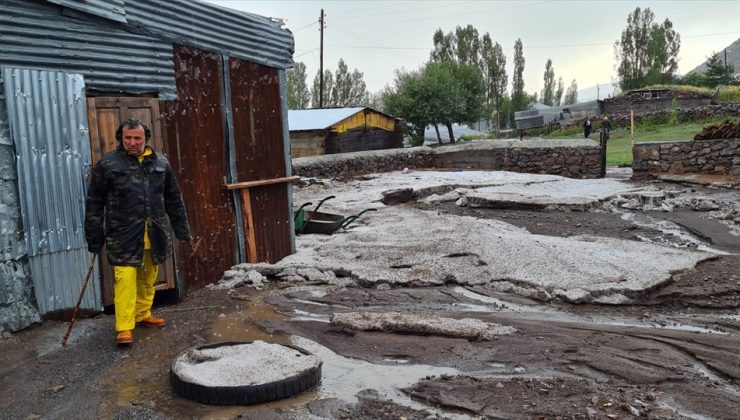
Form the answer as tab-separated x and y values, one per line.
246	394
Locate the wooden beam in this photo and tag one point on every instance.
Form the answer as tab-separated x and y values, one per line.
251	239
262	182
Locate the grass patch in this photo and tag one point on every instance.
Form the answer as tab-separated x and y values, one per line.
619	148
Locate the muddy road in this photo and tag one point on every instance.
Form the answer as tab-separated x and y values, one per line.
620	301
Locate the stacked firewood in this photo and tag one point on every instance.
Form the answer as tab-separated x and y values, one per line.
726	130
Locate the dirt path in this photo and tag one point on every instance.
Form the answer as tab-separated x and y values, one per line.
672	352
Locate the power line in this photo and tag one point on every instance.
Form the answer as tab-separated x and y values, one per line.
304	27
446	15
526	46
415	9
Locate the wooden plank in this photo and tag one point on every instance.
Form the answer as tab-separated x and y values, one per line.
262	182
251	239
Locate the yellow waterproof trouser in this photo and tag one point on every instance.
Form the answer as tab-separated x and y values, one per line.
133	292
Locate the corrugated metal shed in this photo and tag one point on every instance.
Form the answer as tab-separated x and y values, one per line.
37	36
108	9
254	38
48	126
318	119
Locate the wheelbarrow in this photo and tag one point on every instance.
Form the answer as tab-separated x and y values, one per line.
328	223
299	216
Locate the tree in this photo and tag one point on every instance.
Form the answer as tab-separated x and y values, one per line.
548	91
571	96
462	46
341	89
647	51
518	96
494	65
442	93
328	86
717	73
558	92
298	95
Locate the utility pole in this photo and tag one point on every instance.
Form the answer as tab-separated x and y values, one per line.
597	91
725	57
321	61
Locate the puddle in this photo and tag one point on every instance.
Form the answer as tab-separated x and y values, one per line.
308	316
673	235
343	377
497	303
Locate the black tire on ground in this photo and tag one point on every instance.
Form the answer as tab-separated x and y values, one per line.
246	394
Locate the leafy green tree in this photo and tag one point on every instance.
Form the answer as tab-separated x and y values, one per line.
558	97
647	51
717	73
694	79
401	100
442	93
462	46
571	95
548	91
341	89
519	98
494	65
444	47
298	95
349	88
328	86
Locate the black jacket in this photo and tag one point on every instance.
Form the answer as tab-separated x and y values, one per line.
122	196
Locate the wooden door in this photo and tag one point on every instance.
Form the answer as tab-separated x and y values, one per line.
105	114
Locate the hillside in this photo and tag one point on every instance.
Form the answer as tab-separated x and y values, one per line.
733	57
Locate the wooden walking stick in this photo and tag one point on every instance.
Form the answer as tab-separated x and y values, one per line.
79	300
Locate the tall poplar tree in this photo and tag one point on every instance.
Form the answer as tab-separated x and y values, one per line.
548	91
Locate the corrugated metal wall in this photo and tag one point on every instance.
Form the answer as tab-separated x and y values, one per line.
196	147
108	9
209	27
17	302
48	124
260	153
36	35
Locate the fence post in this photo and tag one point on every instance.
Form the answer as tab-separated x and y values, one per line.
602	145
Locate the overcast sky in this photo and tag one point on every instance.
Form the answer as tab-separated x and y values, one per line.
378	37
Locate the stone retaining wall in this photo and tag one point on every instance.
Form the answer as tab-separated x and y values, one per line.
715	157
570	158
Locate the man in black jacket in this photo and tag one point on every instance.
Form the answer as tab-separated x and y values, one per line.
131	196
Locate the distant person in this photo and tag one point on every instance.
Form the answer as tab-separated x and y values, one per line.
587	127
606	127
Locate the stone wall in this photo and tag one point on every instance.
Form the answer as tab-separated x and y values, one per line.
715	157
17	302
639	103
730	110
570	158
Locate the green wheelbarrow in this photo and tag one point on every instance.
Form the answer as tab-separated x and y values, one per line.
328	223
299	216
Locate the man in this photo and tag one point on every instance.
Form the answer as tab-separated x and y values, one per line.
135	191
606	127
587	127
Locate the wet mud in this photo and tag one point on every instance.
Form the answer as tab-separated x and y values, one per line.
671	354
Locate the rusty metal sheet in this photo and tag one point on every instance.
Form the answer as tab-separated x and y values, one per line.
194	130
260	153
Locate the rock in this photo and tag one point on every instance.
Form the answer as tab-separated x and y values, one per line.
519	369
462	202
383	286
397	196
591	413
499	385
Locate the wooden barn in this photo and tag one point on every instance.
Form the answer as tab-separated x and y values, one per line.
340	130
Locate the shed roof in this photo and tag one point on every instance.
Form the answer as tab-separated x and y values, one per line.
319	119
